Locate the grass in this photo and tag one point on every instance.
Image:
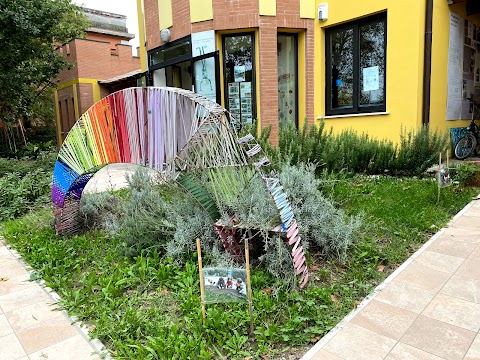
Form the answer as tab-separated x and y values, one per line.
149	308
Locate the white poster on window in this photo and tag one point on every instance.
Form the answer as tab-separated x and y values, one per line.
239	73
455	68
203	43
371	78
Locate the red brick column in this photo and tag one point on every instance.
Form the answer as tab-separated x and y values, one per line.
268	76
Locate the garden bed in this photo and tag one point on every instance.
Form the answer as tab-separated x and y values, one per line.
146	306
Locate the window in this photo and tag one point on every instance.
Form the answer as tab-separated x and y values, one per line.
356	59
239	75
176	51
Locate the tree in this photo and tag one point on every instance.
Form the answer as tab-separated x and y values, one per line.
30	32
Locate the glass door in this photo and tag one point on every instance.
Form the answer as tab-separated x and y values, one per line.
287	53
239	76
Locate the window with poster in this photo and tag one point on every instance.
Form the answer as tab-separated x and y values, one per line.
190	63
356	64
463	68
239	75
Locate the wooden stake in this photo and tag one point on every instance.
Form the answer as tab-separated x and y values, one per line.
202	281
439	169
249	286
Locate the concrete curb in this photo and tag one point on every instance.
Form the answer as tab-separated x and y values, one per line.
323	341
96	344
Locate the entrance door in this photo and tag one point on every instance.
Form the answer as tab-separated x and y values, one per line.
287	53
239	75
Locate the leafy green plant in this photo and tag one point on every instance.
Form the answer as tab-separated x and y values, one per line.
467	173
419	150
198	191
45	160
20	194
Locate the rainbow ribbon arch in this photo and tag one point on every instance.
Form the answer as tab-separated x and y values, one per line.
170	130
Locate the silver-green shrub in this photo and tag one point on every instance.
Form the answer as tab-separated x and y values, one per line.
321	224
254	207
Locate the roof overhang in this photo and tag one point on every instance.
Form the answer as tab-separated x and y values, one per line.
132	74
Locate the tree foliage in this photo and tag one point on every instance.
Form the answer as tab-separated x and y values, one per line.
30	31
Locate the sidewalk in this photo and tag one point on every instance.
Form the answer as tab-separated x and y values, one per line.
429	309
30	327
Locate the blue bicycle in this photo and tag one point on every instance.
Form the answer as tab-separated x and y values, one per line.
467	145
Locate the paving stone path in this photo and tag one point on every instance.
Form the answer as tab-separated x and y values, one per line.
429	309
31	327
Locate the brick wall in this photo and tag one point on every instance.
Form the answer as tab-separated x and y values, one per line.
268	75
309	70
244	14
202	26
69	52
181	19
152	24
113	40
235	14
95	60
85	97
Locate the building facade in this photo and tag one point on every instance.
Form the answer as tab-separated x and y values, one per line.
380	67
254	57
102	62
394	65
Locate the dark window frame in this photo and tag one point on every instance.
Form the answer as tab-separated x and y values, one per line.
254	75
185	40
181	59
356	108
295	37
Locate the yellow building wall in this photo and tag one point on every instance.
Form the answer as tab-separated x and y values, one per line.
201	10
95	93
441	37
165	13
308	9
267	7
404	65
141	35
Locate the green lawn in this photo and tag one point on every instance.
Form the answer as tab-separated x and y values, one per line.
149	308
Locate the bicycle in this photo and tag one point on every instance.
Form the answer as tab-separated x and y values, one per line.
467	145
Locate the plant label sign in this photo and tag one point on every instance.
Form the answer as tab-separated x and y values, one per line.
225	285
444	178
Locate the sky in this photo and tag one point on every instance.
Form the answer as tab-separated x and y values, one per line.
123	7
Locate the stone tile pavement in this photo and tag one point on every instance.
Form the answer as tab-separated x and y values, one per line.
31	327
429	309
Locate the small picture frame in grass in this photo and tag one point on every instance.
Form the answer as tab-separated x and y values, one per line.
225	285
221	285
